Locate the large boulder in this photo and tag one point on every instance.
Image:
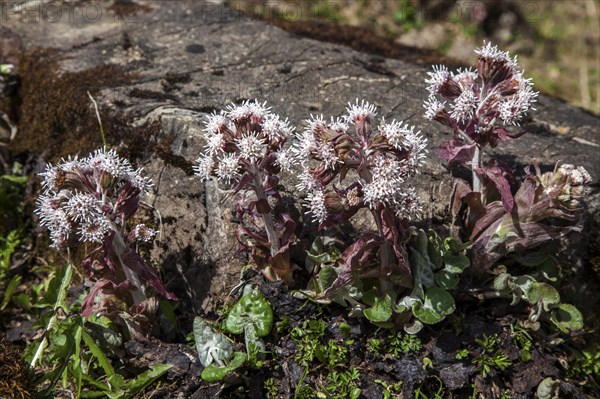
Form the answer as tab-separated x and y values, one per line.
157	68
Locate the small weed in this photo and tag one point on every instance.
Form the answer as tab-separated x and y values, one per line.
462	354
491	357
374	345
308	337
283	325
403	343
586	365
343	384
522	339
271	387
390	390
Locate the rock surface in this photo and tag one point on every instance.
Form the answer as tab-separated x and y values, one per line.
187	58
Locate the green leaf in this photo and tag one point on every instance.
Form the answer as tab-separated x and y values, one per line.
327	276
550	269
10	290
381	310
422	242
543	292
548	389
57	290
446	280
354	392
98	354
437	305
8	246
434	249
210	345
15	179
140	382
251	309
567	317
422	273
501	281
413	327
455	263
214	373
454	246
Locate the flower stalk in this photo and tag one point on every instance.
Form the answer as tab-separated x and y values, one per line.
244	150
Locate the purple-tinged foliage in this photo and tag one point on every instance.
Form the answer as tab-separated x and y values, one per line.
482	103
245	150
479	105
349	165
541	201
90	200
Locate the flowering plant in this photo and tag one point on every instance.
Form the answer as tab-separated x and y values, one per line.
495	221
483	103
90	200
371	166
245	149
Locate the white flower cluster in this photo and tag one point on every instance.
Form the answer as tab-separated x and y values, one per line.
382	160
89	197
566	184
239	138
497	91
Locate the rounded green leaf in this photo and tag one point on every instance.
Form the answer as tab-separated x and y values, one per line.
543	292
252	309
446	279
413	327
381	310
438	304
456	263
568	317
548	388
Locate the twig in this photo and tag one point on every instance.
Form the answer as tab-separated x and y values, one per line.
99	120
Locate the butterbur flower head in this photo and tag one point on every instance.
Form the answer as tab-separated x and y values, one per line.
464	106
142	233
251	147
360	113
217	123
85	199
243	139
315	201
480	101
381	160
81	207
94	230
566	184
228	166
437	79
204	166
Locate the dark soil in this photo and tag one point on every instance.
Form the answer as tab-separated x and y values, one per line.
440	345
